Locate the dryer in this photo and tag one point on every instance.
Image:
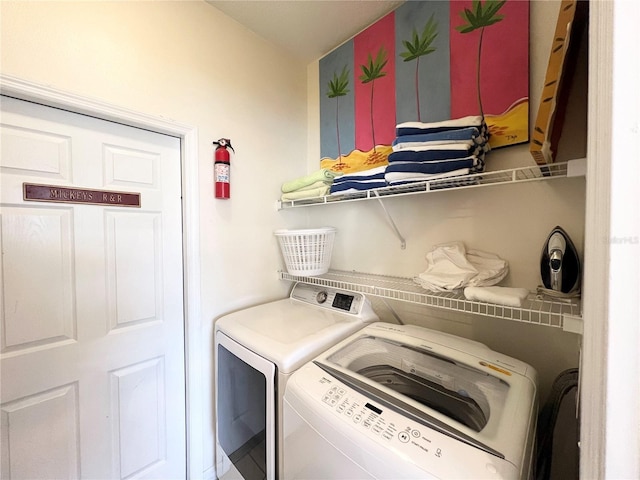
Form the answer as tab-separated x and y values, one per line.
397	402
256	350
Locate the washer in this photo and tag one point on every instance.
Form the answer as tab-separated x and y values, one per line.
397	402
256	350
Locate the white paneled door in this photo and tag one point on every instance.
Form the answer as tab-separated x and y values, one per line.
92	327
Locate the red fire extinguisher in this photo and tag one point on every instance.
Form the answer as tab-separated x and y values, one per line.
222	168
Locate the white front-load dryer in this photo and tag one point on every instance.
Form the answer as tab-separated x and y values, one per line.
392	402
256	350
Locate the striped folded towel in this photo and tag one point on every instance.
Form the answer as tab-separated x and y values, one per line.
440	138
435	153
402	178
413	128
441	166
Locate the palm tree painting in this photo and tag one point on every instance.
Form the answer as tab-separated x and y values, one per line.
479	17
373	70
426	61
420	46
338	88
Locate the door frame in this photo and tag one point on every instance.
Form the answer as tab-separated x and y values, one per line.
51	97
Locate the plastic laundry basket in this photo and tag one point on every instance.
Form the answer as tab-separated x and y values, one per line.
308	251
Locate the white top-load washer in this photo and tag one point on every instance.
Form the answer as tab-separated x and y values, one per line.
256	350
397	402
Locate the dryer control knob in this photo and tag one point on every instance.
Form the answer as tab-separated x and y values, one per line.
321	297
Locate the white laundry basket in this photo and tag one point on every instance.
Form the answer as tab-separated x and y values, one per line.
308	251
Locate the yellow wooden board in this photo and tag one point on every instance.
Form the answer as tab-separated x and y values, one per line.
546	132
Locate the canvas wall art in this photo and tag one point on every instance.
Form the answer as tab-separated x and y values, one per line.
427	61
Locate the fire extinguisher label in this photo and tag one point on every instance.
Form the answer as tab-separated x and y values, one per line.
221	172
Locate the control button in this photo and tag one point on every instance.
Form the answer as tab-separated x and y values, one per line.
403	437
357	418
415	433
321	297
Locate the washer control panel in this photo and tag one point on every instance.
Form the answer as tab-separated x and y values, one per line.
330	298
432	451
381	423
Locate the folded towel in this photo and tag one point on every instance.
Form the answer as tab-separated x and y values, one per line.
300	194
512	297
353	190
322	175
413	128
449	136
440	166
451	267
459	178
400	178
344	187
423	154
313	186
364	175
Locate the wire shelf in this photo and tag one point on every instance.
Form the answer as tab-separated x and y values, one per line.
514	175
536	309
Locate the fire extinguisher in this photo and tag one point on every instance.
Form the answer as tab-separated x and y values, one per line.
222	168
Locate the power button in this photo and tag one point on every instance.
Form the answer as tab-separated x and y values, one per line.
321	297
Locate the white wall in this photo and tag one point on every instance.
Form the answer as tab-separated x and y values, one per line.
511	221
187	62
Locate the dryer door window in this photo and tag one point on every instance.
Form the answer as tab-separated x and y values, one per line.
245	392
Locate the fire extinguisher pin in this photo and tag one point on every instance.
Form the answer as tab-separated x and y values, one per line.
224	142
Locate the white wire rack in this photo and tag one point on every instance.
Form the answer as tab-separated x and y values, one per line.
514	175
539	310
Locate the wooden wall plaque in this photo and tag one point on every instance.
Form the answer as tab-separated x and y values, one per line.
59	194
572	21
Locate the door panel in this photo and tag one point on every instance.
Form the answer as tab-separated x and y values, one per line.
38	241
134	267
138	387
47	423
35	152
92	326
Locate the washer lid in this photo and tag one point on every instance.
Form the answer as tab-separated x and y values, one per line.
503	388
456	390
289	332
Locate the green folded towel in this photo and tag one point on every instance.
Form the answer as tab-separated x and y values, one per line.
322	175
300	194
313	186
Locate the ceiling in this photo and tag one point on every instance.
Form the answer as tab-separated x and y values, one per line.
308	29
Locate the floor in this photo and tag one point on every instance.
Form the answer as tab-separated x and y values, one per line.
250	459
